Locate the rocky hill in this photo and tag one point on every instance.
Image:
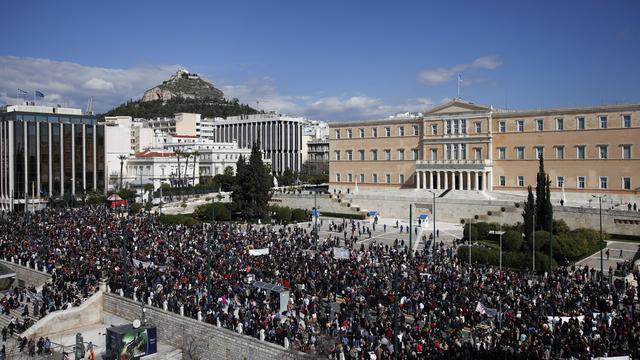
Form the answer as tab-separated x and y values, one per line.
183	85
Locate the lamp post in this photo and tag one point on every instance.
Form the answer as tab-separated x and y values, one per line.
533	238
601	239
433	215
411	230
498	232
469	242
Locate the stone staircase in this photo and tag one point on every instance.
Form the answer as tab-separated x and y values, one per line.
17	313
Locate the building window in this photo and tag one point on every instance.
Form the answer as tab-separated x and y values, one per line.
337	177
401	154
448	130
349	133
401	179
603	122
434	129
361	155
502	126
361	133
626	151
539	152
502	153
580	123
559	152
626	121
502	180
520	153
374	154
401	131
463	126
434	154
361	178
416	130
414	154
387	131
477	154
350	177
387	154
626	183
560	124
520	125
374	132
337	134
582	182
603	182
603	151
478	127
374	178
559	181
521	181
387	178
540	124
337	152
349	155
455	127
581	152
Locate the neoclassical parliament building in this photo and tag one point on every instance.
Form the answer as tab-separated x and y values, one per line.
461	145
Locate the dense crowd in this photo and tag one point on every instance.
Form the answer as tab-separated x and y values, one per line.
344	308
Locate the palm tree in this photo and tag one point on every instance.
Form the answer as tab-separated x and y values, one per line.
122	158
179	154
195	153
186	165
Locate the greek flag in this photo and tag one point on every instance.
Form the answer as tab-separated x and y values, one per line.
39	94
22	91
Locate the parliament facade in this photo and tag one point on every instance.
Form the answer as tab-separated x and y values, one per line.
465	146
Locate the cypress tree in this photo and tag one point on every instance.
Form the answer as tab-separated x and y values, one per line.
548	208
240	185
541	197
260	183
527	216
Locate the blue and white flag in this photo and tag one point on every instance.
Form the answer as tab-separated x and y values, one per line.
22	91
39	94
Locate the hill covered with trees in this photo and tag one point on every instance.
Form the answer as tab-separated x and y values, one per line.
208	107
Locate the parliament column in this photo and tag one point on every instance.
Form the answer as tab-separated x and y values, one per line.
468	180
424	180
475	178
446	180
437	174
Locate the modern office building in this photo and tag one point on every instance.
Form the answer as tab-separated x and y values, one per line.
48	152
280	137
465	146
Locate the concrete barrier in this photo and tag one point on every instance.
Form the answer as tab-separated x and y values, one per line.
198	340
30	277
88	313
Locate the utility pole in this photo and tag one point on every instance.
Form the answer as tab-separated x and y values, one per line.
209	239
411	230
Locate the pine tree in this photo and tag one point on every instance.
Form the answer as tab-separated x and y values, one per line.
527	215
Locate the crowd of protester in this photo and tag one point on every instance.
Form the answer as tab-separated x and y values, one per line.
438	305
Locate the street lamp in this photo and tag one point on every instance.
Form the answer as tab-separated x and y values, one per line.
601	239
533	247
498	232
433	215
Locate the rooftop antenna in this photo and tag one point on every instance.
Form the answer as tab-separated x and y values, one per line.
90	106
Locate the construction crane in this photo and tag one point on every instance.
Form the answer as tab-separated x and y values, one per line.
90	106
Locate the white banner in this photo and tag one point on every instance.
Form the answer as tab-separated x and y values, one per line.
340	253
491	312
258	252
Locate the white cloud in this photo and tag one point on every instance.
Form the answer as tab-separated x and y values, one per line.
72	83
442	75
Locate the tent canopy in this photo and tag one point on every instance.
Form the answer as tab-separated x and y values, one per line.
423	216
373	213
268	286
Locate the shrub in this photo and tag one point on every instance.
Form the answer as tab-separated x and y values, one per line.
503	209
511	240
489	213
474	232
483	229
203	212
179	219
560	227
494	226
135	208
298	215
283	214
541	240
517	205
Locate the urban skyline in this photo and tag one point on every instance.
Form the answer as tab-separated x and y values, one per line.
346	62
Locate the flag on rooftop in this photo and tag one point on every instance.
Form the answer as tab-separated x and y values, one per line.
39	94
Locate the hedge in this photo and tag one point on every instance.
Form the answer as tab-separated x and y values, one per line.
510	259
178	219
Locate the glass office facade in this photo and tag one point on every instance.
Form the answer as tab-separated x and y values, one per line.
49	155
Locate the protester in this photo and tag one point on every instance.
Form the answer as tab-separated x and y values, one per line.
343	308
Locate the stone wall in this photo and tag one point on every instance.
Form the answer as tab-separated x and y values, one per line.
306	201
27	276
198	340
454	210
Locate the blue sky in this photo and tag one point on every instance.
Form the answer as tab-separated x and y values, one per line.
329	60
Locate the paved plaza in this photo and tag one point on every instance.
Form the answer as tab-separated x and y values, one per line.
629	249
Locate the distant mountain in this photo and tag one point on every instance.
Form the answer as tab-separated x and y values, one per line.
185	85
183	92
